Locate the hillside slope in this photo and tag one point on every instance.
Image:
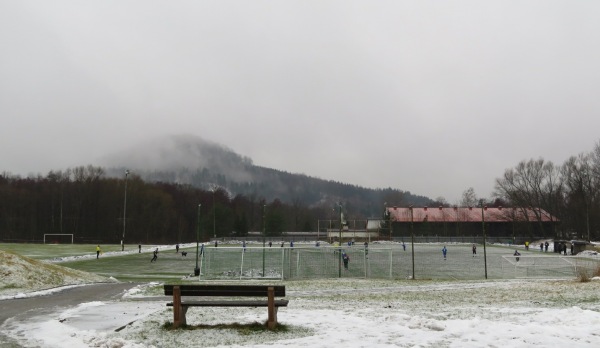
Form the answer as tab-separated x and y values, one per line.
191	160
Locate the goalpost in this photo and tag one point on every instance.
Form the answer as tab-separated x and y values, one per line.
534	266
57	234
301	262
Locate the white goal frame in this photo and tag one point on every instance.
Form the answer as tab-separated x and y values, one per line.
542	266
58	234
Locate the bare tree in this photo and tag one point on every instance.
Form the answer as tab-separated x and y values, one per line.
469	198
531	184
579	180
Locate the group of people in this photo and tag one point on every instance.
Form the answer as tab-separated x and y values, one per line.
445	251
154	253
562	248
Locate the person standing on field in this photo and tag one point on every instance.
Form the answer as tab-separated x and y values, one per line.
474	249
97	251
346	259
155	257
444	251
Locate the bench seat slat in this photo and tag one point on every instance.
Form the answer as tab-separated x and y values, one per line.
225	290
277	303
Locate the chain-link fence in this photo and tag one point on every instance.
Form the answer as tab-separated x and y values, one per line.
393	261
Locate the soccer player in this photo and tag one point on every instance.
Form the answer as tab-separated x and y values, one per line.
444	251
346	259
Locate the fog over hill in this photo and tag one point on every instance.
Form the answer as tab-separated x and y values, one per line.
189	159
181	153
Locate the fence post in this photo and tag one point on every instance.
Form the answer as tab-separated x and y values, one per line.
391	263
242	265
365	258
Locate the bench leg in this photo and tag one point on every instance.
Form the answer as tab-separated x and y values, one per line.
272	321
178	310
179	316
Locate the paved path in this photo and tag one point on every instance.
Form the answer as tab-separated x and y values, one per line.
66	298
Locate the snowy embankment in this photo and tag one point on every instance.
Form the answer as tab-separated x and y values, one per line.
22	276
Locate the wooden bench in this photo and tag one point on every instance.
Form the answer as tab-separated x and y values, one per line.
269	291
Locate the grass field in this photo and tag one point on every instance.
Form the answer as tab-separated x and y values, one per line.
383	261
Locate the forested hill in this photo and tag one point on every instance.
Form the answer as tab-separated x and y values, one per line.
203	164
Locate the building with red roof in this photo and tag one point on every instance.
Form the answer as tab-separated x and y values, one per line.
469	221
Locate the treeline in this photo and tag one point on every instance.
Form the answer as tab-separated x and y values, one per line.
287	187
91	205
84	202
570	192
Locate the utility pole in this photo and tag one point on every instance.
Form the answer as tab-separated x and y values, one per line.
483	229
124	212
412	241
197	269
340	244
264	235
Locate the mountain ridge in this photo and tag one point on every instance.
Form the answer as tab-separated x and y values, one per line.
191	160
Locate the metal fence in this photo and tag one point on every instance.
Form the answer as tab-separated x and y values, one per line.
388	261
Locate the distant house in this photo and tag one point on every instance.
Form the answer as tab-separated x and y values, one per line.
467	221
375	225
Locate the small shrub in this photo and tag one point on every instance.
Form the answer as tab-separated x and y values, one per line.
582	275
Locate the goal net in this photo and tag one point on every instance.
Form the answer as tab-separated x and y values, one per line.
388	261
529	266
300	263
58	238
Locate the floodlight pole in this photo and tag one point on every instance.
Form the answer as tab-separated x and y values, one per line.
484	242
124	212
340	244
412	241
264	234
387	216
214	216
197	269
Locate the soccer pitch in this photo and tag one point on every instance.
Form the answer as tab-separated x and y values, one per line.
379	261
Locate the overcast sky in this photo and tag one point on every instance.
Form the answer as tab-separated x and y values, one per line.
432	97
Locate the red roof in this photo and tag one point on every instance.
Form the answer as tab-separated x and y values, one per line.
467	214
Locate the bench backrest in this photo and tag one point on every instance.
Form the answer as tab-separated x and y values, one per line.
226	290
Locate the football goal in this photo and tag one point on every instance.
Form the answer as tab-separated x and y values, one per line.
527	266
301	263
58	238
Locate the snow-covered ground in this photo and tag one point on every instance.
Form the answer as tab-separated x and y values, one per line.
342	312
